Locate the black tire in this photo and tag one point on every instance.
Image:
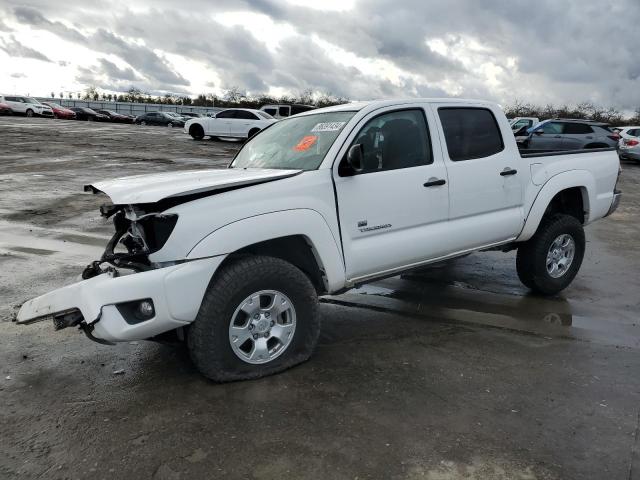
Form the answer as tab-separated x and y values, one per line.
253	132
143	123
531	260
169	125
196	131
208	336
29	113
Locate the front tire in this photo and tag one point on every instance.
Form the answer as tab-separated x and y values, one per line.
550	260
259	316
196	131
29	113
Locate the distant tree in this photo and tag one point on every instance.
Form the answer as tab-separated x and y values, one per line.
234	94
61	95
53	95
305	97
78	95
109	97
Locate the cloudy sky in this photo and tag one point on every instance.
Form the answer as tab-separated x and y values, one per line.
543	51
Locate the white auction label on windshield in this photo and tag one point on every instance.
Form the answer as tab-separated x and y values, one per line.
328	127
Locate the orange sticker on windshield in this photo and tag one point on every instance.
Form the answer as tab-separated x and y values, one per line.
306	143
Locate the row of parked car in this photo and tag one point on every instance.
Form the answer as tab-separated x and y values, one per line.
575	134
32	107
229	123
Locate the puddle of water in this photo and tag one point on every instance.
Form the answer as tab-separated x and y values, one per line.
555	316
34	251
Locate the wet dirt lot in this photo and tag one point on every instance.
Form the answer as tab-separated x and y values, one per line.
452	372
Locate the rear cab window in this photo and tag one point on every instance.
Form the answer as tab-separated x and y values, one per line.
470	132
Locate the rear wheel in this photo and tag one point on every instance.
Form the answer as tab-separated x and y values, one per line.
252	132
143	122
258	317
170	125
196	131
550	260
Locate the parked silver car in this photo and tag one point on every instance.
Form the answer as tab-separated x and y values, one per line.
561	134
629	148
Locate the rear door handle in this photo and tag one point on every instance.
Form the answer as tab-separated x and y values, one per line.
508	171
435	182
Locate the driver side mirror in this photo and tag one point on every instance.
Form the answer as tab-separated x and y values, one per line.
538	132
355	158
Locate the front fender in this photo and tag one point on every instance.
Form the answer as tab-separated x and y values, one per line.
248	231
582	179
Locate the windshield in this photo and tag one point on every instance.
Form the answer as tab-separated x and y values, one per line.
294	143
32	100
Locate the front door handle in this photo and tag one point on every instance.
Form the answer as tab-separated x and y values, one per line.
435	182
508	171
557	136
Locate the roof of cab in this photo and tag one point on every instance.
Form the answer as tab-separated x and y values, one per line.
375	104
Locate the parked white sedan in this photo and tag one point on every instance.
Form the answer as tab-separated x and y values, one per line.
231	123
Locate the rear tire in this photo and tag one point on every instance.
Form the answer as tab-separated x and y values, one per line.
550	260
209	338
252	132
196	131
170	125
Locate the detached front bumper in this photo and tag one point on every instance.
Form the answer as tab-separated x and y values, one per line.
176	293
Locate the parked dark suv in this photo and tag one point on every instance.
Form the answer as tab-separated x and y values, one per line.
159	118
561	134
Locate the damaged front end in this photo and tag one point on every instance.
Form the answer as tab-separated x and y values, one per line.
124	295
141	232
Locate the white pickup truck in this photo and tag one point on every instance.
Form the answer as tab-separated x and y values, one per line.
234	260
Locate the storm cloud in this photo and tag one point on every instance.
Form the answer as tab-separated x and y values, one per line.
547	52
16	49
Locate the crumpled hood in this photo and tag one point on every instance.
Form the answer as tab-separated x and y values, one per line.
155	187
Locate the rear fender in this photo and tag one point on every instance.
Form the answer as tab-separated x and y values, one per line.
260	228
571	179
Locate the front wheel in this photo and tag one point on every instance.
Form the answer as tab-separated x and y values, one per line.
550	260
170	125
29	113
196	131
259	316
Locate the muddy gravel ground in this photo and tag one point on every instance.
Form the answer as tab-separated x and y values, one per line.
452	372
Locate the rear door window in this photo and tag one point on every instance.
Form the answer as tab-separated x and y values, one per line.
244	115
470	132
227	114
576	129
